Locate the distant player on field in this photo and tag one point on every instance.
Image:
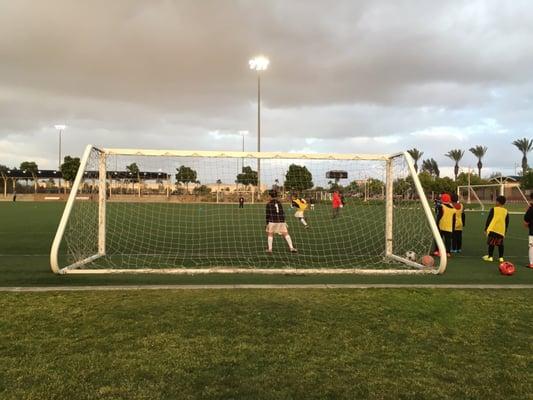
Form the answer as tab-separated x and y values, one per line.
275	222
301	206
496	227
241	202
528	222
336	203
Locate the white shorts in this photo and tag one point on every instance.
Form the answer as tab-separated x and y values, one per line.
299	214
277	227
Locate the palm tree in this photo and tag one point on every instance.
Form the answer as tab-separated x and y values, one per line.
417	155
479	152
430	166
525	146
455	155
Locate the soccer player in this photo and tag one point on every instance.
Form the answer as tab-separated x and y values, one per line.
275	222
241	202
495	228
312	202
460	219
301	206
336	203
445	222
528	222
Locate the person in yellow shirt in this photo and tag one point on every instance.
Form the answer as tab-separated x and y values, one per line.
460	219
301	206
495	228
445	222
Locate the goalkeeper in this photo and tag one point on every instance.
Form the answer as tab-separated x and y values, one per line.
301	205
275	222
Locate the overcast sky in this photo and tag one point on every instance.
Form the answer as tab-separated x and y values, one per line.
345	76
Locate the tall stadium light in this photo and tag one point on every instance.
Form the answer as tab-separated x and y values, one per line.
60	128
243	134
258	64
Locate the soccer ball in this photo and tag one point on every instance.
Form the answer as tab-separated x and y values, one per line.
507	268
410	255
427	261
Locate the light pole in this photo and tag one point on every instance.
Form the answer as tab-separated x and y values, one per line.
259	63
60	128
243	134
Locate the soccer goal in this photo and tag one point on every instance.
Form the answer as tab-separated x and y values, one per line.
482	197
159	211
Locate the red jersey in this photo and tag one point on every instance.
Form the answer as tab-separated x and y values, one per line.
337	202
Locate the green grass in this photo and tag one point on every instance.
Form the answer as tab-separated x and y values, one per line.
28	228
271	344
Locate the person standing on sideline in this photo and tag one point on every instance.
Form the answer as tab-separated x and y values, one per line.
241	202
528	222
460	219
14	196
495	228
336	203
445	222
275	222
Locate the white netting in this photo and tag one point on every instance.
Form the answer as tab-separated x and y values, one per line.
153	221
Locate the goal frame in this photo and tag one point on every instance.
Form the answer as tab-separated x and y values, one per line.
500	186
389	214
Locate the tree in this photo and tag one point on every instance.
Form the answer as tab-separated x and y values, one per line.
32	168
525	146
479	152
298	178
526	182
185	175
69	168
403	186
135	173
417	155
247	177
455	155
462	179
431	166
375	186
201	190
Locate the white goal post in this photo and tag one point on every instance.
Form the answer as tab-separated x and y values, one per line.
163	211
485	194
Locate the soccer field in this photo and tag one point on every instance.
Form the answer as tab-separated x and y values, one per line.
260	344
28	229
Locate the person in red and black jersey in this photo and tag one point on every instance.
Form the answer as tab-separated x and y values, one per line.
275	222
528	222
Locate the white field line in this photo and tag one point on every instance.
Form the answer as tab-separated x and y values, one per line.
19	289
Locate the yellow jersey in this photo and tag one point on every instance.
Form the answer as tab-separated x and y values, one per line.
446	219
498	222
301	204
459	218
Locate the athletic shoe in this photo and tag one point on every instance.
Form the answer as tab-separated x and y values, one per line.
268	251
487	258
529	266
458	251
436	254
448	254
453	251
293	250
306	226
501	259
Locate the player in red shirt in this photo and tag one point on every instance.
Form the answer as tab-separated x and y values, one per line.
337	203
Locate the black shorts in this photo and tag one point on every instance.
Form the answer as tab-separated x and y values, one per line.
494	239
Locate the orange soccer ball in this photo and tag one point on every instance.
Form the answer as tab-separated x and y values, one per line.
427	261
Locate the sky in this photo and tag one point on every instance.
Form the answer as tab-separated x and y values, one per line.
348	76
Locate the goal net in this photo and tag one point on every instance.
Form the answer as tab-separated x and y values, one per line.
193	212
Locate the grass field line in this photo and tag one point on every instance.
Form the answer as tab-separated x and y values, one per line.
262	286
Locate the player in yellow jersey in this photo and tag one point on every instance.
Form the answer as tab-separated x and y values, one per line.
460	219
495	228
301	206
445	222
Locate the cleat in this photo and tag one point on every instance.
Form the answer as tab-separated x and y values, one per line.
529	266
293	250
306	227
458	251
501	259
268	251
449	254
487	258
436	254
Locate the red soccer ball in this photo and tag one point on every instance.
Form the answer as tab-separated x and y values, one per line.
507	268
